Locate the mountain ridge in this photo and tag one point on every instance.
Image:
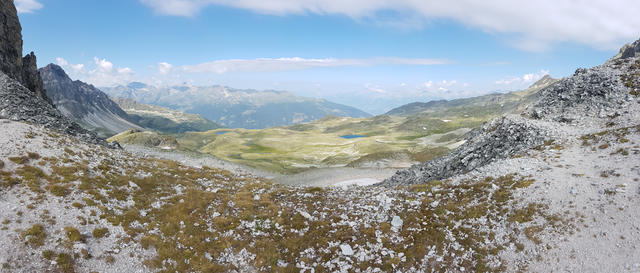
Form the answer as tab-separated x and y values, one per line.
512	100
84	103
235	108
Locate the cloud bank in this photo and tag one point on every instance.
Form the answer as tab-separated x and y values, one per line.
529	25
290	64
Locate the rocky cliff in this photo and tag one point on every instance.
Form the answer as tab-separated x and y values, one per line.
84	103
10	41
23	70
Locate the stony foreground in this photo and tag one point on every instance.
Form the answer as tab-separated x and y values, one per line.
572	204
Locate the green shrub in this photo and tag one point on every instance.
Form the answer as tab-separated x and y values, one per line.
19	159
58	190
33	155
73	234
35	235
48	254
65	262
100	232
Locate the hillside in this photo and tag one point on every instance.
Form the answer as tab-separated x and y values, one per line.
163	119
599	98
235	108
487	105
84	103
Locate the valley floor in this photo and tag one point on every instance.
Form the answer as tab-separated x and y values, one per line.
320	177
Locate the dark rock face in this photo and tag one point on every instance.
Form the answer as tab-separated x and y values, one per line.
31	77
631	50
10	41
24	70
19	104
83	102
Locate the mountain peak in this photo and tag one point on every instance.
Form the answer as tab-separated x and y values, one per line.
136	85
629	51
54	70
544	81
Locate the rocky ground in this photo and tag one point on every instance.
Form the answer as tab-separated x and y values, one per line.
68	206
566	205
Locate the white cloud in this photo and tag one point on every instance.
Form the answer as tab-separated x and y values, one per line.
446	83
103	65
101	72
27	6
74	67
525	79
529	25
375	88
288	64
164	68
61	61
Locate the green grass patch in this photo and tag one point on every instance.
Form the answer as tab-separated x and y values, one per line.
35	235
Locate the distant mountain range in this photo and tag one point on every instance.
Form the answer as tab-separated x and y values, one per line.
236	108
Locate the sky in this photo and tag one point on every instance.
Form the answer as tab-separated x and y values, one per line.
371	54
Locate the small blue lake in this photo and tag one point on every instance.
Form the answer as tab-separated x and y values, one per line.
352	136
221	132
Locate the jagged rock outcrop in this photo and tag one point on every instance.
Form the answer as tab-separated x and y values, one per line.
498	139
84	103
591	97
629	51
19	104
31	78
23	69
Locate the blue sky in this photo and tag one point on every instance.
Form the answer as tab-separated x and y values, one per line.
372	54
